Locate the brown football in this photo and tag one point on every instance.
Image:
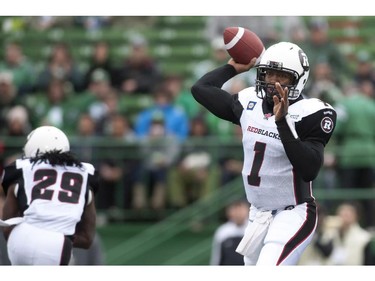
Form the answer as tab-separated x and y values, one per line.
242	44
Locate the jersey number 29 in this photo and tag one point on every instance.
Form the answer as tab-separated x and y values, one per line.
70	184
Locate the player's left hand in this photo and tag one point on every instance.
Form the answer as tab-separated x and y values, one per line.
281	104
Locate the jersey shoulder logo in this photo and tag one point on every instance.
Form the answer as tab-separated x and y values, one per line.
327	124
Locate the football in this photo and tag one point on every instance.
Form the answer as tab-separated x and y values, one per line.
242	44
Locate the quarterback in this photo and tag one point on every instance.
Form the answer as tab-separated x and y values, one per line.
283	136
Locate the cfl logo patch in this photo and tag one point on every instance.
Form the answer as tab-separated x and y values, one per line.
327	124
251	105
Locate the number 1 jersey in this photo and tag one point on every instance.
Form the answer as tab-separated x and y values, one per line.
269	178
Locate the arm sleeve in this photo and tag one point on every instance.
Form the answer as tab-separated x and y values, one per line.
305	156
207	91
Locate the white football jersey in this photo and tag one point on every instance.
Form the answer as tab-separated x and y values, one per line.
269	179
54	197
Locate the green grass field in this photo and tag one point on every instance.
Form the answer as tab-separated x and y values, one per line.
189	246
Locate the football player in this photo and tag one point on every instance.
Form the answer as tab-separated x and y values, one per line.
49	206
284	135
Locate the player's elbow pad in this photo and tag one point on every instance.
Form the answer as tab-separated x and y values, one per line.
307	177
195	91
311	172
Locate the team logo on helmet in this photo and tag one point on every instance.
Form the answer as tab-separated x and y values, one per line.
326	125
303	59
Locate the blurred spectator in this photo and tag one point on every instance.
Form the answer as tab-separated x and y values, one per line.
21	68
60	66
85	128
18	124
120	127
355	135
84	147
321	49
176	121
321	247
84	136
18	127
8	95
55	107
159	152
113	162
367	87
182	97
96	96
219	128
103	108
99	83
139	72
350	238
229	234
324	86
369	251
194	175
230	156
100	59
364	69
106	162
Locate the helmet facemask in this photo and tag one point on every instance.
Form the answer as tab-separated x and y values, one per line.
268	90
286	57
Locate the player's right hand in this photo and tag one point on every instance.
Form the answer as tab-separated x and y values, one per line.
242	67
